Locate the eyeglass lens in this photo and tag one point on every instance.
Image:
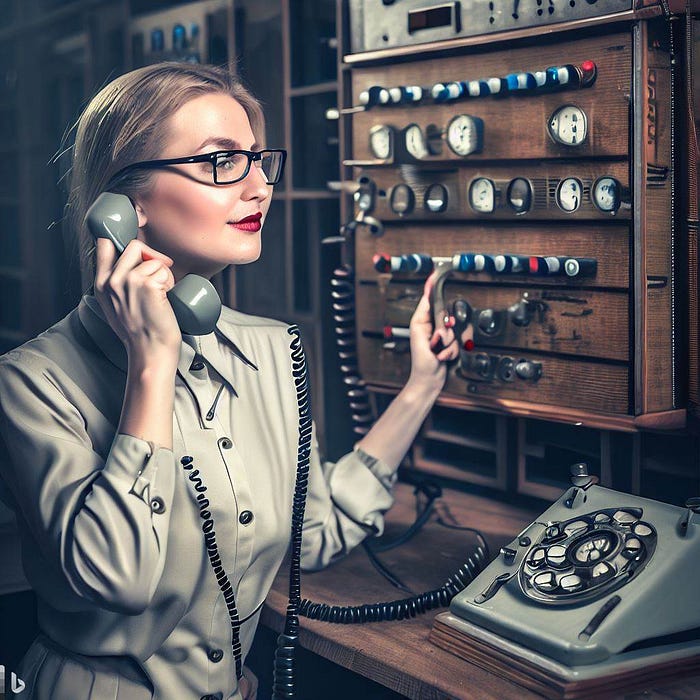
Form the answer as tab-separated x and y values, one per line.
233	167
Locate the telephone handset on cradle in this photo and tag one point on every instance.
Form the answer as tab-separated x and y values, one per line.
601	590
195	302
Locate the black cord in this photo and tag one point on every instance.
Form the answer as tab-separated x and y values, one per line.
422	518
403	608
283	675
343	295
284	665
215	560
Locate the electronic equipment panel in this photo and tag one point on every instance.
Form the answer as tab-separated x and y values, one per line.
385	24
539	180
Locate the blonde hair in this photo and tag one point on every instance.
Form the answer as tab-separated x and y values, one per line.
123	124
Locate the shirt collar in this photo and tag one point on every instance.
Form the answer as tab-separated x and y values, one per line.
93	319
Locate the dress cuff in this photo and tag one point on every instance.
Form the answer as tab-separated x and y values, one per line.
136	461
380	469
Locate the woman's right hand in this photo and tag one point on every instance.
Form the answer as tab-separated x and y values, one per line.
132	290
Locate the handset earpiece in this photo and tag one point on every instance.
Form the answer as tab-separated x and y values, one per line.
195	302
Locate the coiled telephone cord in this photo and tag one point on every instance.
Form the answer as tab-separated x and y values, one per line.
283	674
284	664
343	295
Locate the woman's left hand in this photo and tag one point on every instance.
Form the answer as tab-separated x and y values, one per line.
248	684
429	369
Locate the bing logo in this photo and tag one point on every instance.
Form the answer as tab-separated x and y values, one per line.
16	684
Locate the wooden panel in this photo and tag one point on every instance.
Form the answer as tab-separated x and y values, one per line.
464	445
513	125
609	244
658	384
591	324
582	385
544	179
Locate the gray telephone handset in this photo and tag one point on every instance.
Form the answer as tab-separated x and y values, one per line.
195	302
602	582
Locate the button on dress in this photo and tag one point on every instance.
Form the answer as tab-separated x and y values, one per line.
112	529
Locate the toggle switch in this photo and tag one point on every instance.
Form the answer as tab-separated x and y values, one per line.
462	311
364	196
482	364
520	313
490	322
506	369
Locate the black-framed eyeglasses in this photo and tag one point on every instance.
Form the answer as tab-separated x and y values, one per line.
227	167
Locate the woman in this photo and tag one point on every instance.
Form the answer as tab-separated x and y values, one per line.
152	472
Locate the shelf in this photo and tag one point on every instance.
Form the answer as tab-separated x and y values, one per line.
306	194
461	440
317	88
48	17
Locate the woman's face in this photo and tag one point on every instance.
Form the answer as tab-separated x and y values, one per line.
184	214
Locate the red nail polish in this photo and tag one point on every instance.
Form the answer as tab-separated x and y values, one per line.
439	346
469	345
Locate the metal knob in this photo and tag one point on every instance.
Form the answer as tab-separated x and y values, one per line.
520	313
527	369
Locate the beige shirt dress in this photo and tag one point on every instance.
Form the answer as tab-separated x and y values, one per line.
129	604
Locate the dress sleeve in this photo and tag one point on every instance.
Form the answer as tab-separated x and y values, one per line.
346	501
102	522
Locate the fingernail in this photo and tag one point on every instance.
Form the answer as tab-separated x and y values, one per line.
439	346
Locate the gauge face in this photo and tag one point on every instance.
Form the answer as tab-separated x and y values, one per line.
415	142
402	200
381	141
463	135
569	194
482	195
606	194
436	198
568	125
520	195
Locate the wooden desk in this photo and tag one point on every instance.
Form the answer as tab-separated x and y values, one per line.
398	654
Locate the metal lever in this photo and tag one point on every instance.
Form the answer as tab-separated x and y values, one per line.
363	192
581	480
693	508
437	299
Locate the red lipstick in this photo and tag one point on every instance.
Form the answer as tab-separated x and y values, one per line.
250	223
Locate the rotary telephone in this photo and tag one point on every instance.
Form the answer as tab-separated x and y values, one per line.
602	582
195	302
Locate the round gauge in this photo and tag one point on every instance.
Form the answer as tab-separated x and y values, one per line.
463	135
482	195
415	142
569	194
568	125
519	195
436	198
606	194
381	141
402	199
